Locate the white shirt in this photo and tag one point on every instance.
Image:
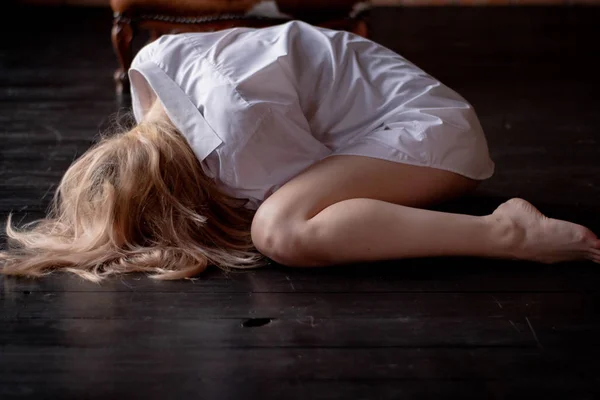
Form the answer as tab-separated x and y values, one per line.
258	106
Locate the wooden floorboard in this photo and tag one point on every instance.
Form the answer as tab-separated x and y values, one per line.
442	328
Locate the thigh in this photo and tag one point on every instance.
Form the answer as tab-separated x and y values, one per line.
341	177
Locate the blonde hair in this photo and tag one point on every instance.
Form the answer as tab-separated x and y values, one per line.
135	202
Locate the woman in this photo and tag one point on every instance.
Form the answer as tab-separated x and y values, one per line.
309	146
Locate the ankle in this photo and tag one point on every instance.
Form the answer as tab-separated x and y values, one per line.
506	236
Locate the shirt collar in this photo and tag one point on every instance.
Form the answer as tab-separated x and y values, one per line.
181	110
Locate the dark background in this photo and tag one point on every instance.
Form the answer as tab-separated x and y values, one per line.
429	328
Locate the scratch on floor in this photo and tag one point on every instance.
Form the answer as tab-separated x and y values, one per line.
497	302
56	132
514	326
291	284
312	321
533	333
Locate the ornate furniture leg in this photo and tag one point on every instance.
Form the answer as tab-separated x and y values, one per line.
122	35
362	29
153	35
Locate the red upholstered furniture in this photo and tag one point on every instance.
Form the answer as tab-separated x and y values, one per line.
162	16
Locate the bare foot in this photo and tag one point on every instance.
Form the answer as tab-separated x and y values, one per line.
536	237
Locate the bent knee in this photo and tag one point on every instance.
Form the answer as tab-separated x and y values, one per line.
282	244
283	240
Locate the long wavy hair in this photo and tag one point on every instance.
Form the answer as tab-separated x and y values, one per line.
137	201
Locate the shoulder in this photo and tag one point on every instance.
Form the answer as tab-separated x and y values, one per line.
168	51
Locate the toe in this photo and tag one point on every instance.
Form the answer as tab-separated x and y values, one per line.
593	254
594	258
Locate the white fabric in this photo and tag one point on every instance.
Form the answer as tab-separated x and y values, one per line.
267	9
258	106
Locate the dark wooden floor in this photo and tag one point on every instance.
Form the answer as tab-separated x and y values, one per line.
412	329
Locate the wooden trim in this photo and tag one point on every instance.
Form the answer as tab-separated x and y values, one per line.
88	3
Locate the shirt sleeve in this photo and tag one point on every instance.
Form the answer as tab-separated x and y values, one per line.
278	150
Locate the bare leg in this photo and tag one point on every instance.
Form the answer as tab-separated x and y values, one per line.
351	208
368	230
